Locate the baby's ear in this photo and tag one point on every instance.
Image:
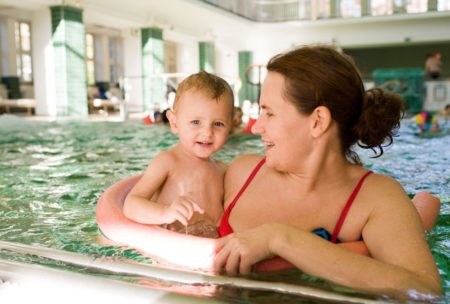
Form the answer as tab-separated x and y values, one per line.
172	121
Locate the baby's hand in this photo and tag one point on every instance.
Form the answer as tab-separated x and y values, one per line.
182	209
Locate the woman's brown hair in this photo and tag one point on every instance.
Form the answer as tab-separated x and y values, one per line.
321	76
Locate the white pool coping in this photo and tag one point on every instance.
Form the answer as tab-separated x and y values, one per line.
26	275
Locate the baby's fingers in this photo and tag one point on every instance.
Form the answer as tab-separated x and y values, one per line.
181	218
193	206
198	208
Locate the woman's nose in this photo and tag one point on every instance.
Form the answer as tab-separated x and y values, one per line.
257	127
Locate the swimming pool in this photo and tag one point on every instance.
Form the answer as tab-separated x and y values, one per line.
52	174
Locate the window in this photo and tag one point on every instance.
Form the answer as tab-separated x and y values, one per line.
350	8
322	9
443	5
410	6
23	49
381	7
115	66
90	64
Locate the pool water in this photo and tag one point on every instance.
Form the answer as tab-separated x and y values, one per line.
53	173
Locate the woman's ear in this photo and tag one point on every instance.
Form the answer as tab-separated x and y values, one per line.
172	121
320	121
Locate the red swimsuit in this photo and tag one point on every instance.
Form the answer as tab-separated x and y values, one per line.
225	228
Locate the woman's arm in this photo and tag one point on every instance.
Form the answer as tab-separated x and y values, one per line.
401	260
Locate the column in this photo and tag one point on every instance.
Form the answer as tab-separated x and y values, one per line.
366	9
335	9
247	91
152	48
68	39
432	5
207	56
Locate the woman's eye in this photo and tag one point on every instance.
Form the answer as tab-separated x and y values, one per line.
195	122
268	114
219	124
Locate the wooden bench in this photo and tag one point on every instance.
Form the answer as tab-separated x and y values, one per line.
25	103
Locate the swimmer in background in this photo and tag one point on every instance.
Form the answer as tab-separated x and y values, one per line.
445	113
237	121
427	122
172	189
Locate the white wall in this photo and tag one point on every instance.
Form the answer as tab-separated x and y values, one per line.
132	69
270	39
188	59
43	63
8	47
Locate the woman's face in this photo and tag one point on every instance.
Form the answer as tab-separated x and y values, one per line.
284	132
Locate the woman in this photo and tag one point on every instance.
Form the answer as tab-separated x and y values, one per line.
314	109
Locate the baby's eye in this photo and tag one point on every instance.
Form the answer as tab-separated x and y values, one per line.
219	124
195	122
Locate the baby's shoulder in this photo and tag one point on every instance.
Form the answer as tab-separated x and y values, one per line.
163	158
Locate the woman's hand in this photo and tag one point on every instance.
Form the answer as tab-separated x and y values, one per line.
182	209
237	252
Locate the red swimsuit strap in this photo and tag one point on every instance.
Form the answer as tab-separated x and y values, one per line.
225	227
347	206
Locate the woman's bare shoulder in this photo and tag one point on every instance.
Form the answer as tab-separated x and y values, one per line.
384	184
385	194
245	162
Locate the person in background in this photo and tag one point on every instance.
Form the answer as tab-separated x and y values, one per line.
182	188
445	113
157	117
427	122
310	189
237	121
164	118
433	65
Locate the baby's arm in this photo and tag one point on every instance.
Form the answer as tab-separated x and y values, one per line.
138	205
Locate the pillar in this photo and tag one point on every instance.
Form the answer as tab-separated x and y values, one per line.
432	5
366	9
68	39
152	49
207	56
247	91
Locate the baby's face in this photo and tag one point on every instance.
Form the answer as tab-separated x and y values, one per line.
202	123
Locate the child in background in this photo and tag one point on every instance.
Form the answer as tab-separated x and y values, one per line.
182	188
237	121
427	122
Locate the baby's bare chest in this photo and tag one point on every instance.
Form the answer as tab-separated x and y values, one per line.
202	185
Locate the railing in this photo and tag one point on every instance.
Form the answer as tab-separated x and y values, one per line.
292	10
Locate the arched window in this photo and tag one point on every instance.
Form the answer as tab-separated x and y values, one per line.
90	63
443	5
381	7
350	8
23	51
